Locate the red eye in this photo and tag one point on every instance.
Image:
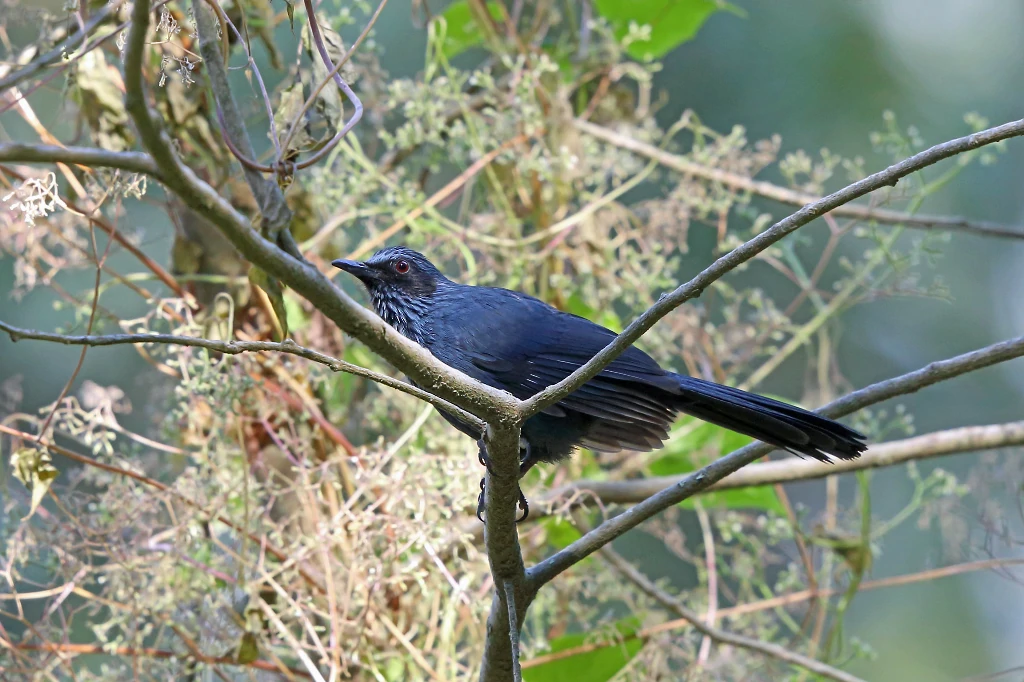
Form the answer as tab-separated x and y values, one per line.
402	267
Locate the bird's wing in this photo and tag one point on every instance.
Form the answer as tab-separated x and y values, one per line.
521	345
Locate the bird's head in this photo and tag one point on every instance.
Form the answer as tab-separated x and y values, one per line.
401	283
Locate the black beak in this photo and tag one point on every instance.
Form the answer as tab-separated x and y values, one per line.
360	270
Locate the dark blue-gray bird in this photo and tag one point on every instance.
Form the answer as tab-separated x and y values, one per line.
518	343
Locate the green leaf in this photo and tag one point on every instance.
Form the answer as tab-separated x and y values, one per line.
35	469
606	317
759	497
290	8
275	292
598	665
560	532
462	30
248	649
671	22
577	306
294	313
681	455
688	437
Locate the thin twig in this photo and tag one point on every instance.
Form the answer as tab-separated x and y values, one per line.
100	260
197	653
801	545
709	559
783	600
236	347
244	42
161	274
790	470
74	57
287	636
696	621
414	653
791	197
938	444
991	677
438	196
276	216
133	162
334	71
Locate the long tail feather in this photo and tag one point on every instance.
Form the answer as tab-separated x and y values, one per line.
785	426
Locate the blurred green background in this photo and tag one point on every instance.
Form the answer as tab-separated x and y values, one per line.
820	74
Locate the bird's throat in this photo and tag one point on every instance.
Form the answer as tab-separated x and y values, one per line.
404	313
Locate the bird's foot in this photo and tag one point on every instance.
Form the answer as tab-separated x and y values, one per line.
522	504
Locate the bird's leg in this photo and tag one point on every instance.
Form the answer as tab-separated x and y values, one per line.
525	464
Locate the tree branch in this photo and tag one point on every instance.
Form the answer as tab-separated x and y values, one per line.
236	347
513	629
504	554
697	622
791	197
719	469
513	595
133	162
503	413
669	302
428	372
789	470
498	408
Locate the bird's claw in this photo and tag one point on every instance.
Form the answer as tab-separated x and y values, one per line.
480	500
524	505
483	457
521	504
